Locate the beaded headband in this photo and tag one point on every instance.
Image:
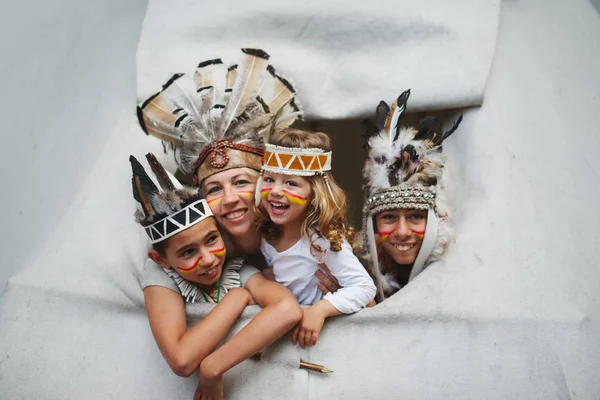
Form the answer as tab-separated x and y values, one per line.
225	154
402	196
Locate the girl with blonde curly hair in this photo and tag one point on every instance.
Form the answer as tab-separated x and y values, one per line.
304	225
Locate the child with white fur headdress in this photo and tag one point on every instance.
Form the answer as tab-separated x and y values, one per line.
405	218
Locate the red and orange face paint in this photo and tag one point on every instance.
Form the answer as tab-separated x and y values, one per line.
381	236
292	198
245	193
217	252
420	234
214	201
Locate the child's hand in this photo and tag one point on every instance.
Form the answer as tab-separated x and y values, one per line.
327	282
268	273
307	331
210	386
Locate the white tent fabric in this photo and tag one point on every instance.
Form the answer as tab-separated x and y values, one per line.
511	313
342	55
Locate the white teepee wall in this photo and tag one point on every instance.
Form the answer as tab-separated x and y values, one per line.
512	313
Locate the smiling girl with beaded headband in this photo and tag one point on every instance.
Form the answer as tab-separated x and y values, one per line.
405	218
305	225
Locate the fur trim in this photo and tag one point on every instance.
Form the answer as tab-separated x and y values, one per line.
390	286
230	278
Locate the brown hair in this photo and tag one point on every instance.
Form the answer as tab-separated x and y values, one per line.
322	214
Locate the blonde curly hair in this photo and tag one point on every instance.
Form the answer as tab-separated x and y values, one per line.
322	214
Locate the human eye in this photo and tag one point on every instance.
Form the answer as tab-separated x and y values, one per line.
188	253
213	190
268	179
416	216
388	216
212	239
291	183
241	182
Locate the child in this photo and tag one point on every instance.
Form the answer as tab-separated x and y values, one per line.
307	227
188	246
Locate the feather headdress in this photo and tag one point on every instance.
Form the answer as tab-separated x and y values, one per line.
216	120
403	171
167	208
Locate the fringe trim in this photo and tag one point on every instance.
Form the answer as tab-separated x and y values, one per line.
192	293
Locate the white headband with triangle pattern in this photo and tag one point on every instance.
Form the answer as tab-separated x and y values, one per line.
179	221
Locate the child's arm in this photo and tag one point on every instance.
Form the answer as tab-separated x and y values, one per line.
280	313
357	287
182	349
357	291
307	331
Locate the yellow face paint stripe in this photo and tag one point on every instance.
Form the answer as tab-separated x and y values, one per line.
192	268
383	236
218	252
209	202
294	198
248	193
265	192
419	234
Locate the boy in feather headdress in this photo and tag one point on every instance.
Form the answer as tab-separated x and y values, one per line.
188	246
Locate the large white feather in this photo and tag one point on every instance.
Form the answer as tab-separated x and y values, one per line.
250	73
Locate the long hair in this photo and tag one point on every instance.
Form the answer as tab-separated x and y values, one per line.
322	215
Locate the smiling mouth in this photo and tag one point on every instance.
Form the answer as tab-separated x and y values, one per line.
235	214
404	247
211	272
278	208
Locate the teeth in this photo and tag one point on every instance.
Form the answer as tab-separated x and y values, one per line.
278	205
403	248
210	271
235	214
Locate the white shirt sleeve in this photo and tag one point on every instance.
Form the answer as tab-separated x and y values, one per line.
357	288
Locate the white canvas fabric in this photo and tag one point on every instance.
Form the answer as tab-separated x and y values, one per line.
512	312
342	56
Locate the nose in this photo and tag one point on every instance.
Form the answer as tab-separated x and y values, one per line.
208	261
403	229
276	188
229	196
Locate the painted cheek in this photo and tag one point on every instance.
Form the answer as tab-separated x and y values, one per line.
420	234
192	268
219	252
214	201
294	198
265	192
246	193
380	237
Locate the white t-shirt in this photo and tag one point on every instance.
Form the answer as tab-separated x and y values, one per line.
295	269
